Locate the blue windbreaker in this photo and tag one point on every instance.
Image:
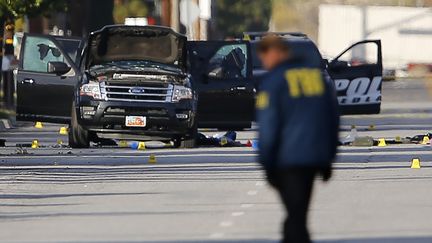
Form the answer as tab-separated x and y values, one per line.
298	118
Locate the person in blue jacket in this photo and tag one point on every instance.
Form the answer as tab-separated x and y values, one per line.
298	130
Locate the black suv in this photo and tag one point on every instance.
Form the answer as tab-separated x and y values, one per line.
356	72
135	82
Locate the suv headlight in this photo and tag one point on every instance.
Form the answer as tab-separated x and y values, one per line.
91	89
181	93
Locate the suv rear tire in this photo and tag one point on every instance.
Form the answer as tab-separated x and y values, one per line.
78	136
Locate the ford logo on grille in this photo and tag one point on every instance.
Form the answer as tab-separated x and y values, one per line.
136	90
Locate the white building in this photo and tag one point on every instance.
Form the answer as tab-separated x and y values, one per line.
406	32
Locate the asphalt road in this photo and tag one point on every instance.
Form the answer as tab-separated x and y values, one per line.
113	194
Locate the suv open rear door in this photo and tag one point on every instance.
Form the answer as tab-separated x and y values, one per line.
47	76
357	73
222	74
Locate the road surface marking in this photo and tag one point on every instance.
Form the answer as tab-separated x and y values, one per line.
217	235
260	183
237	214
246	205
252	193
226	224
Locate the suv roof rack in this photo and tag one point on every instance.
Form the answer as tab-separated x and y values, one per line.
259	35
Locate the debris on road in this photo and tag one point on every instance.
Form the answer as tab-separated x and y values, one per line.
123	144
22	151
226	140
350	137
363	141
421	139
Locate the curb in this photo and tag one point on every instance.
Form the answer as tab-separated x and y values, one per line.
5	124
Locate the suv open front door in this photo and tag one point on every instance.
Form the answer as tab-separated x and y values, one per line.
222	75
46	78
357	73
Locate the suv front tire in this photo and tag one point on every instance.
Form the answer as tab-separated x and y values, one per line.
78	136
189	141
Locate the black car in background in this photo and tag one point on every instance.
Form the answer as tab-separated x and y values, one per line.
356	72
135	82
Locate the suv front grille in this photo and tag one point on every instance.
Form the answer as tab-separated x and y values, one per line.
137	92
135	111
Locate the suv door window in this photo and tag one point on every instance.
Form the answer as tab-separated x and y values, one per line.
38	52
360	55
229	62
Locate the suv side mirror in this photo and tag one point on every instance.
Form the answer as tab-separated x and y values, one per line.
58	68
325	63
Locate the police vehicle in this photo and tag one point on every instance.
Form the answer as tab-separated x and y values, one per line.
135	83
356	72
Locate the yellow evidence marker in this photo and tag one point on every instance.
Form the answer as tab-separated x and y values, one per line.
35	144
141	146
63	131
426	140
382	142
38	125
152	159
415	164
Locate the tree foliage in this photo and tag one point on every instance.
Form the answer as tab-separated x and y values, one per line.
131	8
19	8
235	17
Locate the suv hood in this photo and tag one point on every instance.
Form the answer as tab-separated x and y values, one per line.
136	43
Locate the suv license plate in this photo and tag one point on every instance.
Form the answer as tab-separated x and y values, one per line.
136	121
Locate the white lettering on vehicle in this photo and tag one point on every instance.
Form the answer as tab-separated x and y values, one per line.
359	91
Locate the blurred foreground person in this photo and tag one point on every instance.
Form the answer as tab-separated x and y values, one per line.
298	130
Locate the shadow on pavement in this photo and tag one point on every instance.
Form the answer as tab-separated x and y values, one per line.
48	196
396	148
382	240
360	240
130	174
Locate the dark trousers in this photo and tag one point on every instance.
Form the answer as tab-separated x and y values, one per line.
295	189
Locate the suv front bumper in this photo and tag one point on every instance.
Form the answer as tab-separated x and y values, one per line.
163	120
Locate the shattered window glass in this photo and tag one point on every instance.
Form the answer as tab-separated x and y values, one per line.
38	52
230	61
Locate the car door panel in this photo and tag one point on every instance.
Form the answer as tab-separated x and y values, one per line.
222	75
357	73
45	96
